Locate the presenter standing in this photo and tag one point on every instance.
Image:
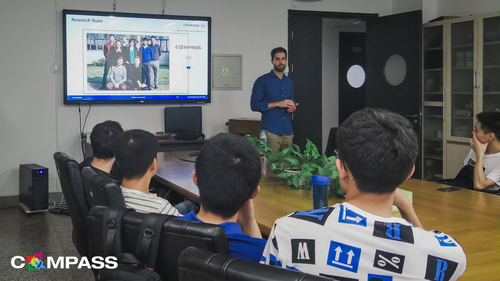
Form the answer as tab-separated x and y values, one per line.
272	95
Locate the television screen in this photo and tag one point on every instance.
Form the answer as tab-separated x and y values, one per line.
182	119
135	58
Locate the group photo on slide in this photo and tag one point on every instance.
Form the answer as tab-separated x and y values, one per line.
127	62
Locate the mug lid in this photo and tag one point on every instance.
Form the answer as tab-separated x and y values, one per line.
320	180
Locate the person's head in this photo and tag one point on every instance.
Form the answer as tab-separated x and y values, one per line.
118	44
135	153
487	128
153	40
138	38
279	58
131	42
111	38
378	148
102	139
124	40
227	172
144	41
119	61
137	61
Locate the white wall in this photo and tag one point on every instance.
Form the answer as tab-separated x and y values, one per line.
34	123
330	79
466	7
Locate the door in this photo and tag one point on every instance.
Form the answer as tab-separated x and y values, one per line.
351	59
304	62
394	68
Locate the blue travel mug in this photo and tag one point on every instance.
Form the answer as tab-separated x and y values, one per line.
320	191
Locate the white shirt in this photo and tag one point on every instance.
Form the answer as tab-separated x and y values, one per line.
491	165
347	242
147	203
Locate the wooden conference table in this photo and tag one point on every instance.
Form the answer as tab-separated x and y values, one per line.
471	217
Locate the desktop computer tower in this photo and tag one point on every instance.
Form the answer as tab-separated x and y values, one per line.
33	187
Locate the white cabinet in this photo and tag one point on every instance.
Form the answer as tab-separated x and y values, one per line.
461	77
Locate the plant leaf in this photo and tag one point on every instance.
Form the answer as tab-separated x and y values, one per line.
306	174
296	180
282	175
293	161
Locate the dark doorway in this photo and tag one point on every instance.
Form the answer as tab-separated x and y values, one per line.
394	45
351	54
395	34
305	65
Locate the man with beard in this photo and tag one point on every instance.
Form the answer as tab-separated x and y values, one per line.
272	95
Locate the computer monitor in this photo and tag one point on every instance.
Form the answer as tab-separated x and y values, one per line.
182	119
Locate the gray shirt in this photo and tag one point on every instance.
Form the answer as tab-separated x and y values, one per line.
118	74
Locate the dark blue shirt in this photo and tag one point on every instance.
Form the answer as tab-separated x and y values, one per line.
270	88
147	54
156	51
240	245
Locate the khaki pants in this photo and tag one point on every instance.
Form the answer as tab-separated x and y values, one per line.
277	143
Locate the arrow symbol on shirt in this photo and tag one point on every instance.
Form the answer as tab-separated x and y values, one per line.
338	251
357	219
350	254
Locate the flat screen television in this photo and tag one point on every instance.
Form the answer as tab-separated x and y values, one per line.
183	119
94	74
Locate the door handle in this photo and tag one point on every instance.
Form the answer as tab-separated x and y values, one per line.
412	116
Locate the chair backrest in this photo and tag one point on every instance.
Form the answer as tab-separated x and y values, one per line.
202	265
101	190
68	171
332	142
177	235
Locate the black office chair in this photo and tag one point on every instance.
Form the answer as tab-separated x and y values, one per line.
177	235
202	265
331	146
68	171
101	190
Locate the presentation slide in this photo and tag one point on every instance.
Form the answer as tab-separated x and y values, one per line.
121	57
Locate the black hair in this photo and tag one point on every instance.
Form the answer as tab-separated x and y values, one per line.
278	50
379	148
228	170
135	151
153	37
102	139
490	122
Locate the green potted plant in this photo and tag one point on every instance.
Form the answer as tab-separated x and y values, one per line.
264	150
297	167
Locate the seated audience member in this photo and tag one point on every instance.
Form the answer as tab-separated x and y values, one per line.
135	152
227	173
360	239
481	169
102	142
